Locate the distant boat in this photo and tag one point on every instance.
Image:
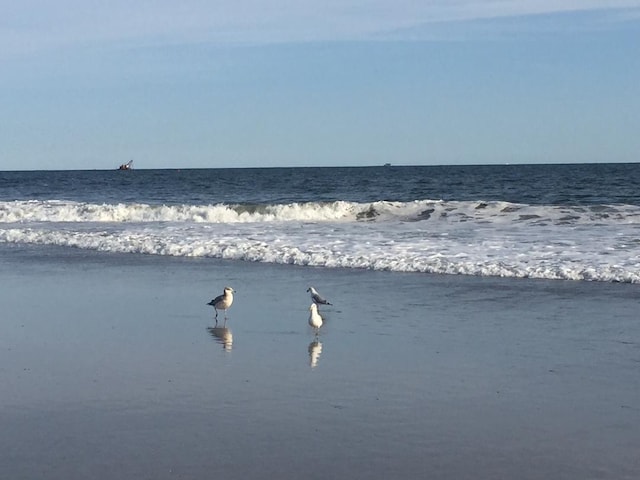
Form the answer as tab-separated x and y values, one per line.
387	164
126	166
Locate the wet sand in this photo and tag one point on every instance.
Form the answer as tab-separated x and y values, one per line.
110	368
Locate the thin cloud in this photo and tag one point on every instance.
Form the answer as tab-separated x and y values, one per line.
34	25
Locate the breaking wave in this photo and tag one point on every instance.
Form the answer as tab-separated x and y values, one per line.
555	262
337	211
596	242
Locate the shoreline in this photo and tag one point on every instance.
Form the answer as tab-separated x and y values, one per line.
111	371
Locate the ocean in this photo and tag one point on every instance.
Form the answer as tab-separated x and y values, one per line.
568	222
484	323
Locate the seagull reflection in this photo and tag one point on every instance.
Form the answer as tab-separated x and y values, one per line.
315	349
223	336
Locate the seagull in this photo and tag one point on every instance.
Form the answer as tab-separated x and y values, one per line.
317	299
222	302
315	320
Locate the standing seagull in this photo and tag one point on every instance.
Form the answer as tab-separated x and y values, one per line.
315	320
222	302
317	299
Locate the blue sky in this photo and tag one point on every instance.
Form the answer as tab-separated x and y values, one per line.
197	83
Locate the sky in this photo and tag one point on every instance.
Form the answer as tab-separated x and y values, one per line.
88	84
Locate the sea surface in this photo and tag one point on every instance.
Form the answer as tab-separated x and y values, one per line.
113	366
572	222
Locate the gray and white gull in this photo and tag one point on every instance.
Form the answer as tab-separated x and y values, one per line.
223	302
317	298
315	320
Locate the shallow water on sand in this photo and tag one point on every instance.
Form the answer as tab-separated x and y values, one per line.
111	368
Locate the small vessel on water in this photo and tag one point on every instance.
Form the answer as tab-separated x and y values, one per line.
126	166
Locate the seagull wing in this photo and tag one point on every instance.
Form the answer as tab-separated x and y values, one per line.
318	299
216	300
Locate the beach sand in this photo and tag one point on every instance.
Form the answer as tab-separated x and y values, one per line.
110	369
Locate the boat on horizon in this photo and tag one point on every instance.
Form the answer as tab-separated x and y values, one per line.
126	166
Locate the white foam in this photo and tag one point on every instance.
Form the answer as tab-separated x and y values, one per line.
419	210
57	211
471	238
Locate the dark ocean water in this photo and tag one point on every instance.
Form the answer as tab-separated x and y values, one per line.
582	184
579	222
